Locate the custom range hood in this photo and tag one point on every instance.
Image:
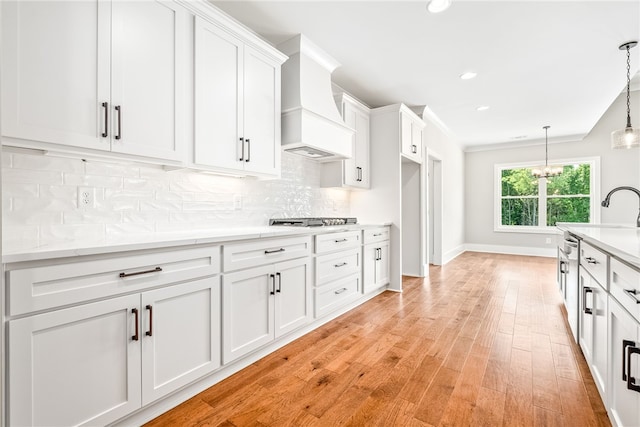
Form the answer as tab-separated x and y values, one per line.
311	124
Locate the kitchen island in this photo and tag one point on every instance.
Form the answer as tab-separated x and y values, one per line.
608	311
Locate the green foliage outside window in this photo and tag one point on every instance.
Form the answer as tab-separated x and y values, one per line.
567	196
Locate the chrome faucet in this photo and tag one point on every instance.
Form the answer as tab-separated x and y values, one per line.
607	199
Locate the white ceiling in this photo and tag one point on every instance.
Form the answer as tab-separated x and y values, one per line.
539	63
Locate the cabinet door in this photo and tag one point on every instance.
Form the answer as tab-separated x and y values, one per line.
369	266
623	403
406	134
351	172
382	267
261	113
247	311
586	315
77	366
218	98
599	350
416	141
293	295
148	58
55	71
181	338
362	149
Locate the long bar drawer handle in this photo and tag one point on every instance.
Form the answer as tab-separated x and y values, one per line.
632	294
342	264
339	291
155	270
340	240
591	260
377	235
274	251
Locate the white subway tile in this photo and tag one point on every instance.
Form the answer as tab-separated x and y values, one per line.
29	206
145	217
128	229
52	234
26	176
157	205
12	218
145	184
207	206
15	189
16	238
49	163
111	169
91	216
68	193
93	180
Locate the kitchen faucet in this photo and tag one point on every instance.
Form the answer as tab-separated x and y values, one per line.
607	199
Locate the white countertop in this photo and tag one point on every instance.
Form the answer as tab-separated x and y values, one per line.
620	240
80	247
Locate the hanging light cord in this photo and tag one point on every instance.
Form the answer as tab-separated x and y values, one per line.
628	86
546	147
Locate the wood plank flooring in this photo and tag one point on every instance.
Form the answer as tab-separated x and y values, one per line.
482	341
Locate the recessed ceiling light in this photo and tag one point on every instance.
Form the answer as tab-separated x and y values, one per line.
483	108
437	6
468	75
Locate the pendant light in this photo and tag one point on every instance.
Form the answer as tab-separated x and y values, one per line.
437	6
627	137
546	171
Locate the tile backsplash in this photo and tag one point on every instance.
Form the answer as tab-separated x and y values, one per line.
40	199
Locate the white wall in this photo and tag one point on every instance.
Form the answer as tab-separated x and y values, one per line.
39	197
618	167
453	178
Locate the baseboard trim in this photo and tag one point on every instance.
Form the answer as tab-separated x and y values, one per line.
453	253
512	250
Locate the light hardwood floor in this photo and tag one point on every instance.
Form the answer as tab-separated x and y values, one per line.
481	342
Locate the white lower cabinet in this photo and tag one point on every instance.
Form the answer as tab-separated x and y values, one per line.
375	266
593	328
263	303
623	397
95	363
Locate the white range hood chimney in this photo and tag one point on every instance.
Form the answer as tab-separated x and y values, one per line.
311	123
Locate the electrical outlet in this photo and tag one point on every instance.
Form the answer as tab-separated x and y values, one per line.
86	197
237	202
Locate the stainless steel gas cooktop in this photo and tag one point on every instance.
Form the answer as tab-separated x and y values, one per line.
312	222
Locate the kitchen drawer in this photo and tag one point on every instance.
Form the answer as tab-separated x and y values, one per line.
336	241
625	287
595	262
48	286
337	265
374	235
339	293
264	251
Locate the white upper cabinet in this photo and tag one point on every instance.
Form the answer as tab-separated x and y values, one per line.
411	135
237	104
353	172
94	75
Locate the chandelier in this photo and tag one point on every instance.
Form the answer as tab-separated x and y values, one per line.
546	171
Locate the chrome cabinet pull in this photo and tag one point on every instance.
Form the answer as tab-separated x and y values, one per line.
149	333
591	260
105	105
119	111
339	291
137	273
632	294
279	276
248	159
340	240
274	251
631	381
586	290
136	336
342	264
242	144
273	284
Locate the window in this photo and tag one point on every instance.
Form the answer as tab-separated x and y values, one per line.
529	204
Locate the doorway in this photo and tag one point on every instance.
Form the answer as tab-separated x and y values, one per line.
434	209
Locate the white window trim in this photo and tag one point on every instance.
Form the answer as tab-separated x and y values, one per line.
594	211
